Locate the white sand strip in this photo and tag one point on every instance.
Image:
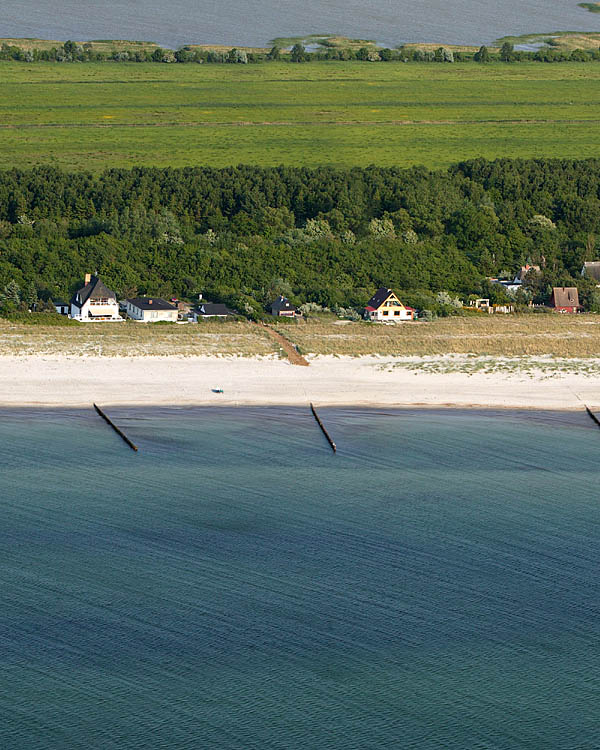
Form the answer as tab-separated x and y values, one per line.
64	381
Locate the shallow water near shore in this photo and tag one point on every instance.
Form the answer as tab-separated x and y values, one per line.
236	585
255	22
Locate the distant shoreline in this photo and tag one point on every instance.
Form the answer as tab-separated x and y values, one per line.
321	42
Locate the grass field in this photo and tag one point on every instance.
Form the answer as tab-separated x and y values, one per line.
92	116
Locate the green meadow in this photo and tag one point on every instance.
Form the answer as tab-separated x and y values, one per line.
93	116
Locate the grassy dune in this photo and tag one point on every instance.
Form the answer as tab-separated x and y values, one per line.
136	340
553	336
92	116
496	336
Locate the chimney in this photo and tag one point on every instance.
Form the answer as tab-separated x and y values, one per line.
88	278
149	301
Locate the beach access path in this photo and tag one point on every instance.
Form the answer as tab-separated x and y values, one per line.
60	381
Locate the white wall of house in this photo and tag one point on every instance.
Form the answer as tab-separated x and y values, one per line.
96	310
151	316
196	317
391	315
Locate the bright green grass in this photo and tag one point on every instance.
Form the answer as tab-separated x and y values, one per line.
343	114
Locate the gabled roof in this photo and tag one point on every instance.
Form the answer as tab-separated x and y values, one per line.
379	298
151	303
212	308
282	303
524	270
565	296
95	289
592	269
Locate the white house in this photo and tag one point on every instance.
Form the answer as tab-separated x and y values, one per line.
94	302
385	307
151	310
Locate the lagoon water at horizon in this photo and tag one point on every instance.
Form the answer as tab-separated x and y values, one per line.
256	22
236	585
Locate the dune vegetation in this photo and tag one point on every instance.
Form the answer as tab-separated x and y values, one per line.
552	335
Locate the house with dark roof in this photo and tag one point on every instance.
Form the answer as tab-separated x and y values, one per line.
565	299
385	307
61	307
283	308
211	310
151	310
94	302
591	269
524	270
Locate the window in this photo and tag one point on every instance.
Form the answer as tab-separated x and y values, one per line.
396	312
385	312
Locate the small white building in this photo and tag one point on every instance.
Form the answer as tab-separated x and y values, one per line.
385	307
94	302
151	310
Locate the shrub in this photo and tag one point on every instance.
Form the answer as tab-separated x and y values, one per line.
40	319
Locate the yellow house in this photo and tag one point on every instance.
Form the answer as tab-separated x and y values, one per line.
385	307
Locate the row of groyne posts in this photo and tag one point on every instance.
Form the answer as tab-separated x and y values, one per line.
295	359
134	447
314	412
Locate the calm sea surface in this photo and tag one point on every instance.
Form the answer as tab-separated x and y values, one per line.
235	585
255	22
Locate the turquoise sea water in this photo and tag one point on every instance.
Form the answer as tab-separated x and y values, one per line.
236	585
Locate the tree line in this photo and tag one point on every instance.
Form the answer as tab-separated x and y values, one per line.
72	52
326	236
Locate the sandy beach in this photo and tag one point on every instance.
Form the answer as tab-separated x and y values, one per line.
367	381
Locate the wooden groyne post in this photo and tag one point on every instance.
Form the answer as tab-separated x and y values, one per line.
322	426
119	432
592	416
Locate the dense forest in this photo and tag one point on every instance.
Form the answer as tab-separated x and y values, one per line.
327	236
